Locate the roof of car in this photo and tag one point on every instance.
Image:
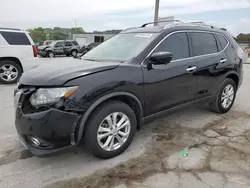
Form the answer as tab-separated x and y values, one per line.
174	26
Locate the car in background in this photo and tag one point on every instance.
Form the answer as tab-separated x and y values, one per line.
47	42
59	47
38	44
89	47
17	54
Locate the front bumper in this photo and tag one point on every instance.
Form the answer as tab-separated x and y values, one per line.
54	129
42	53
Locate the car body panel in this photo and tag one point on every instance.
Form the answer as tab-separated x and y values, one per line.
62	70
155	89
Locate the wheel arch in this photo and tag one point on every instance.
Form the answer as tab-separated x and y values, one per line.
14	59
235	77
127	98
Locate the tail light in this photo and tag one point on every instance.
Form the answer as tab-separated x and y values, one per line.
34	50
240	52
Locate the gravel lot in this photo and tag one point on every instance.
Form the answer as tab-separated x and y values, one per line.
218	149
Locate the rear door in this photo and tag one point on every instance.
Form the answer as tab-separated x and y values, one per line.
211	60
67	47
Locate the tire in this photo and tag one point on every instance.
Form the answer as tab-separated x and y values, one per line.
50	54
217	105
67	55
97	118
74	53
13	74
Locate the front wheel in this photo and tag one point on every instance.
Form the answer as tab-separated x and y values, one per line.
225	97
110	130
50	54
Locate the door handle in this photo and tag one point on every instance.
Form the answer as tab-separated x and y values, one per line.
223	60
191	69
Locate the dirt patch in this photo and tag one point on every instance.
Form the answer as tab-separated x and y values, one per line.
167	140
11	156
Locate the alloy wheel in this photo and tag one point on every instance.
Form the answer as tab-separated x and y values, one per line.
8	72
227	96
113	131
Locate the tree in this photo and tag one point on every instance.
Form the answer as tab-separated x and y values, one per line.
38	34
58	36
77	30
243	38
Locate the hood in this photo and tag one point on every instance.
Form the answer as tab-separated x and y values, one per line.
58	71
42	47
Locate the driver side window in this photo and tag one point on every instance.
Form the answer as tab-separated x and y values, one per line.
177	44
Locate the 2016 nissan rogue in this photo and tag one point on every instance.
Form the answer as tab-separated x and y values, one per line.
103	97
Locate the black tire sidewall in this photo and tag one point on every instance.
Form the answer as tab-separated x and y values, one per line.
49	52
90	135
19	69
226	82
73	52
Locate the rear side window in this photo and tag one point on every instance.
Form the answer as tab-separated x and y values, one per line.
75	43
177	44
223	42
68	43
15	38
203	43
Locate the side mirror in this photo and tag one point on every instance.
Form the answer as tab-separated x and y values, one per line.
159	58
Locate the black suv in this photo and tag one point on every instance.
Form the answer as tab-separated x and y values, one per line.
103	97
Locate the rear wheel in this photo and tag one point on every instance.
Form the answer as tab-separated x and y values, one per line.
50	54
10	72
225	97
110	130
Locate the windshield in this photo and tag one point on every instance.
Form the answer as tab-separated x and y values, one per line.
121	47
53	43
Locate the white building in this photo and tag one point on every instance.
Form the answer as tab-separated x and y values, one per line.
87	38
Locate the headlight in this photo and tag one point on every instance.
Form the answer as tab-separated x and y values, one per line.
50	95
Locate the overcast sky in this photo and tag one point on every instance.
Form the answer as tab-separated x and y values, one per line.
119	14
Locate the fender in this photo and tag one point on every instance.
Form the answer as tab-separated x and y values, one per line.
99	101
231	72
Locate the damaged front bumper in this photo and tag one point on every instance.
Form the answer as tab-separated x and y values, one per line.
47	131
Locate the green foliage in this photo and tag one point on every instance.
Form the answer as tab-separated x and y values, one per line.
243	38
77	30
57	36
38	34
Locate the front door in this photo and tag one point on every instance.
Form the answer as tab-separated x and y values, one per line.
58	48
171	84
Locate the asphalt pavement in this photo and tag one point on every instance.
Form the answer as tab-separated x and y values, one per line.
192	147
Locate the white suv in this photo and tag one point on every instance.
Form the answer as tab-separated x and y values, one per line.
17	54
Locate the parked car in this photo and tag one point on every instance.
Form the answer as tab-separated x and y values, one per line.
59	47
38	44
47	42
17	52
137	75
88	47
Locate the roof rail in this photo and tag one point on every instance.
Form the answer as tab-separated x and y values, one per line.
4	28
129	28
144	25
201	24
224	29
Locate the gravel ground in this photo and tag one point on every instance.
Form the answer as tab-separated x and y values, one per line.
217	146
